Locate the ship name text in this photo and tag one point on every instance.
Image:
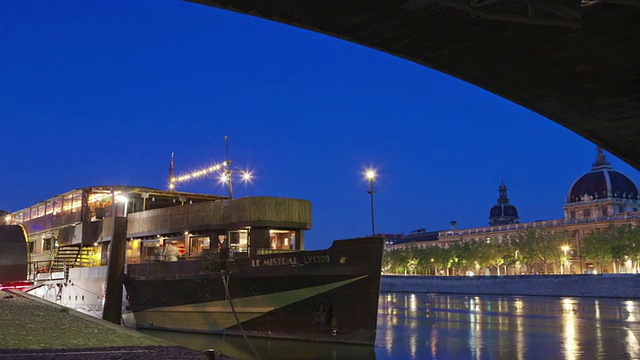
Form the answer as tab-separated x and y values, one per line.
291	261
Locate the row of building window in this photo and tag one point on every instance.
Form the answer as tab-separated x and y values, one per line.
68	204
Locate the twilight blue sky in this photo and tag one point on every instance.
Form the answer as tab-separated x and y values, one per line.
101	93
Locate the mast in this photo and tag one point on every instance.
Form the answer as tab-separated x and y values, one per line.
171	179
227	170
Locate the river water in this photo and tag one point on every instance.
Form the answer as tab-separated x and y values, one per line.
444	326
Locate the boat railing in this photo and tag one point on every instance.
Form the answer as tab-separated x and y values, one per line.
267	251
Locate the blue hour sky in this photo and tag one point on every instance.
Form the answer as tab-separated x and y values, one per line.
101	93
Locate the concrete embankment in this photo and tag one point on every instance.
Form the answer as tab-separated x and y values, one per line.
32	328
606	285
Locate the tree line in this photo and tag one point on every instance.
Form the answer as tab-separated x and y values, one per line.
616	245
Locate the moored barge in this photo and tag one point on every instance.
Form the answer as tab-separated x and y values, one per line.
203	263
326	295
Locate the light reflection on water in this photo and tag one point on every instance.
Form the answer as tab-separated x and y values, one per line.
441	326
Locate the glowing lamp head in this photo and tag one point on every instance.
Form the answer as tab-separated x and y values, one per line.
370	174
565	248
7	219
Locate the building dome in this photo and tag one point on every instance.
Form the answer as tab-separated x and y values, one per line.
602	182
503	213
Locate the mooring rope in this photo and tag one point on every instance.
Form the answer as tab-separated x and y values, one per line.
225	282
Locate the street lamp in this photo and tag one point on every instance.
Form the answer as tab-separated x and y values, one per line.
564	248
371	175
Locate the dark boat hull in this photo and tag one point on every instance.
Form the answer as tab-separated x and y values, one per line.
326	295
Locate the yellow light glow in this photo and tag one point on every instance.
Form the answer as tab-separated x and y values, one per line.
7	218
565	248
371	174
195	174
97	196
220	167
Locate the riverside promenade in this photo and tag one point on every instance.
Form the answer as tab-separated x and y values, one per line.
32	328
603	286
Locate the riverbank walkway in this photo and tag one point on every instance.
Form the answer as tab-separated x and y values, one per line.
32	328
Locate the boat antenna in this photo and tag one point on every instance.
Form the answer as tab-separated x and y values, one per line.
227	169
172	184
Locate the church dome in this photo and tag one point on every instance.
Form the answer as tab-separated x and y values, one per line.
503	213
602	182
503	210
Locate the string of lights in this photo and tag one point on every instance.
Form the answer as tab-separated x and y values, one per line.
222	169
196	174
225	172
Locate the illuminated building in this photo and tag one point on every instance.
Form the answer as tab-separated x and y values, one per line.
599	199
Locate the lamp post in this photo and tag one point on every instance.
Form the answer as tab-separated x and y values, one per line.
370	176
564	248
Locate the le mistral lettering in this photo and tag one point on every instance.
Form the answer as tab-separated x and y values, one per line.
290	261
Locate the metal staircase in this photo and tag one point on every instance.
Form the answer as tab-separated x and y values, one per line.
69	256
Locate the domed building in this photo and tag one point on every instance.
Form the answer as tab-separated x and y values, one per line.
599	199
600	193
503	213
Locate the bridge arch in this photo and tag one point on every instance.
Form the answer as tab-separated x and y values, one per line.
575	62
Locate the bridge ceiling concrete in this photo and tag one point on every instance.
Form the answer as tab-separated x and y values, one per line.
574	62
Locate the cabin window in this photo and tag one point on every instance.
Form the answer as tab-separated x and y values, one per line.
47	244
34	213
238	240
49	209
198	244
27	215
282	239
66	204
57	206
151	250
77	203
41	210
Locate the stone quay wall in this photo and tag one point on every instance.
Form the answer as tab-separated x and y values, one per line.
605	285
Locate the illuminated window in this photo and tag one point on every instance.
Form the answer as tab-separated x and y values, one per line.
41	210
77	203
47	244
282	239
49	210
27	215
66	204
57	206
34	213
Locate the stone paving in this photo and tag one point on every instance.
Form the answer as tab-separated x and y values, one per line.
31	328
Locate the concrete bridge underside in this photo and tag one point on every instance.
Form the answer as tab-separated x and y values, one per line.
574	62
